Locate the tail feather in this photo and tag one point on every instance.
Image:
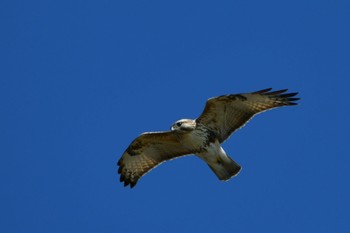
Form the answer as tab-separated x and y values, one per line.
225	168
220	163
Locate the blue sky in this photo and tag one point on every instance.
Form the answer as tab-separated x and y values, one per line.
79	80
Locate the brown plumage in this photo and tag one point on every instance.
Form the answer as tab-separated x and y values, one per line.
222	116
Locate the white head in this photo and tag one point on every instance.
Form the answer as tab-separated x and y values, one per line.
184	125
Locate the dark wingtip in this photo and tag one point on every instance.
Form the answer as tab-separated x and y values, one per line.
126	183
263	91
279	92
289	94
293	99
126	180
280	95
121	179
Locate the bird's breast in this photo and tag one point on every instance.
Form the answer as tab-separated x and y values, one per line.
195	140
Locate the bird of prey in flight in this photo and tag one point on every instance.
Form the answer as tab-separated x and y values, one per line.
202	137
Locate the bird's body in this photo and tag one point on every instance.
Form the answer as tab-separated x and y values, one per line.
196	135
203	136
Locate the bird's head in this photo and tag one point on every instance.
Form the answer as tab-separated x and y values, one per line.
184	125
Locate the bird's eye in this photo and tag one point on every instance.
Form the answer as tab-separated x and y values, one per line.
178	124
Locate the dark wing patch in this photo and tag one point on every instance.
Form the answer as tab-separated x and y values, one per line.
225	114
146	152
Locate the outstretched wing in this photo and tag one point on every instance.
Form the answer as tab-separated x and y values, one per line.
146	152
225	114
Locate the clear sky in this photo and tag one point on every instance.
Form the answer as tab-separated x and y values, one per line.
79	80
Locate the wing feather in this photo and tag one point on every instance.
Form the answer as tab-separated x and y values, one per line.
225	114
146	152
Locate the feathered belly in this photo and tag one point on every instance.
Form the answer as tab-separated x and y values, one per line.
212	152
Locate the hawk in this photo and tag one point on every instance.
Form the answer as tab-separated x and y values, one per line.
202	137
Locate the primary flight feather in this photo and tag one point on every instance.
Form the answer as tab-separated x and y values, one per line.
203	136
